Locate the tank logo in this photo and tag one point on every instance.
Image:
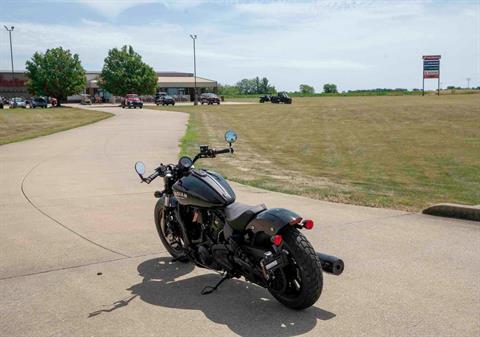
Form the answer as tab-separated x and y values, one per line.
180	195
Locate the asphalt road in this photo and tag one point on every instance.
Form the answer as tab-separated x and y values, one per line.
79	255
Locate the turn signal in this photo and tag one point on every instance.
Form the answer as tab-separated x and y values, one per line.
308	224
277	240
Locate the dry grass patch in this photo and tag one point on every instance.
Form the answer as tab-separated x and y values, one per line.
20	124
399	152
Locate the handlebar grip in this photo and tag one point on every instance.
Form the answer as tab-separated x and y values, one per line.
223	151
149	179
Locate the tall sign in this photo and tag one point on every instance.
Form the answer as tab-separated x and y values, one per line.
431	69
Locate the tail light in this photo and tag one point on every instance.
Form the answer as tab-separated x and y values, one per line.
277	240
308	224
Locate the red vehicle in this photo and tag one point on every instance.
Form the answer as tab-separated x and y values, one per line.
132	101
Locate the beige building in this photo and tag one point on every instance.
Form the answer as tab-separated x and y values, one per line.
178	84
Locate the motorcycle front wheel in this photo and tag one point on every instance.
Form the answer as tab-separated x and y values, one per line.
169	232
299	284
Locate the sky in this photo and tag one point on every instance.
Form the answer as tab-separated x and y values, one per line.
356	44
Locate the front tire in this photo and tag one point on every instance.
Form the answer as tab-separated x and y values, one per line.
166	235
302	278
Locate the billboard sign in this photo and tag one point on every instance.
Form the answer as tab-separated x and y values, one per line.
431	66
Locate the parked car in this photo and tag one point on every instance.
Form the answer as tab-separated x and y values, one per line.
166	100
264	98
38	102
18	102
53	101
209	98
281	97
132	101
85	99
159	97
1	103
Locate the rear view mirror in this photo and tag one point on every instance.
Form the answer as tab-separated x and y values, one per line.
140	168
230	136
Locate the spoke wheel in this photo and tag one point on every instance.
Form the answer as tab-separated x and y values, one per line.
169	232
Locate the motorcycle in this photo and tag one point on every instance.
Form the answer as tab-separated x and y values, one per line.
199	221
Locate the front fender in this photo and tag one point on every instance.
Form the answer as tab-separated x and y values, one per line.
272	220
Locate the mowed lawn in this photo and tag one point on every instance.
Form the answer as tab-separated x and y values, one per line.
20	124
397	152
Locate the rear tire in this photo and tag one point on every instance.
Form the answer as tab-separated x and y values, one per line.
306	267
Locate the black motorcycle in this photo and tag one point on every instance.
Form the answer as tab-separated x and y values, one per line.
198	220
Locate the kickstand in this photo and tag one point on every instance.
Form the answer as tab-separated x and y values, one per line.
209	289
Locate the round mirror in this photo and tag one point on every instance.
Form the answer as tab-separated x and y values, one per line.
230	136
140	167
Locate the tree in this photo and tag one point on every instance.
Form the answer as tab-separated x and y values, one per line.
57	73
255	86
330	88
306	89
266	88
246	86
124	72
225	89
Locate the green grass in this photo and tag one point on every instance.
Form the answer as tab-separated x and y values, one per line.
21	124
255	97
403	152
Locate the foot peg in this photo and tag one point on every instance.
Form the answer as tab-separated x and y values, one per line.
209	289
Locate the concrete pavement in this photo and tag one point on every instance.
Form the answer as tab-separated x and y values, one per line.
79	255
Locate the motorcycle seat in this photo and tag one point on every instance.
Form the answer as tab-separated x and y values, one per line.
238	215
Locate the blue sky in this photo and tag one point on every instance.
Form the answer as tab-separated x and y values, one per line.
355	44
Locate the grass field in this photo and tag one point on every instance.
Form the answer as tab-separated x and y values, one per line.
20	124
397	152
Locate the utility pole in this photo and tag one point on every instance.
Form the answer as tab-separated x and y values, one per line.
468	82
10	30
195	99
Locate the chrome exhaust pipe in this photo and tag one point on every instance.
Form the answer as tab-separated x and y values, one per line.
331	264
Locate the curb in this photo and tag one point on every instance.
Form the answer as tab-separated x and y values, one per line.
458	211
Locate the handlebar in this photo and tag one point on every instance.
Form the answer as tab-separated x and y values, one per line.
205	152
163	170
149	179
227	150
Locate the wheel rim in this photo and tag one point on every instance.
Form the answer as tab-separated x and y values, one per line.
288	281
173	239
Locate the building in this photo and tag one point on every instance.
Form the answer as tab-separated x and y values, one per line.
178	84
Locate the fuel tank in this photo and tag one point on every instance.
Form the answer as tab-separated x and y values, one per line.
203	188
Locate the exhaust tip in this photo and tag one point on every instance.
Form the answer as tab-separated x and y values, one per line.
331	264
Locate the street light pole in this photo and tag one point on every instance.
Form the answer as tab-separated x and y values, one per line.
468	82
195	99
10	30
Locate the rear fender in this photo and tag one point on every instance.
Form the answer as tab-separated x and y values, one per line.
272	221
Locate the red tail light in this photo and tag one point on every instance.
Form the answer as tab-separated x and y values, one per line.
277	240
308	224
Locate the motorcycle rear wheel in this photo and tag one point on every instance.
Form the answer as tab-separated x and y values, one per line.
299	285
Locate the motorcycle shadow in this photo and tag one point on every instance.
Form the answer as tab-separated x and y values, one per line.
247	309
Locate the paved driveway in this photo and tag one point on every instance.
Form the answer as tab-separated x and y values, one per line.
79	255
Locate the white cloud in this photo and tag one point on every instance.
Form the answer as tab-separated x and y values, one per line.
112	9
368	44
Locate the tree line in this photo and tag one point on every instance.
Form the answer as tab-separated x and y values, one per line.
59	73
263	86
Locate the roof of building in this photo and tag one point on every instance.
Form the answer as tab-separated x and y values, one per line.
184	82
166	79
